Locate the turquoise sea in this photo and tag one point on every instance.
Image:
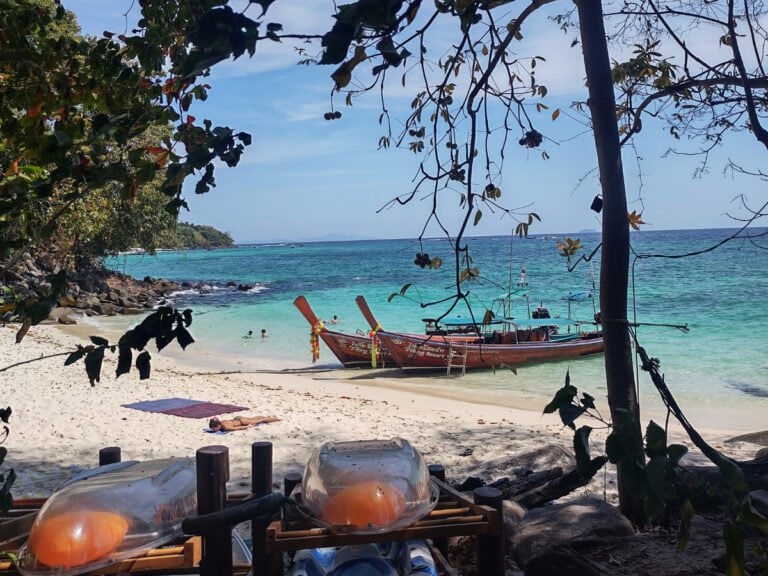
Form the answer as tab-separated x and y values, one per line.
721	363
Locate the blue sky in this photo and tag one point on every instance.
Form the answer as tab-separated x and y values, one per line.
307	178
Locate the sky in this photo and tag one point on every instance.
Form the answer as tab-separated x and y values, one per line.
305	178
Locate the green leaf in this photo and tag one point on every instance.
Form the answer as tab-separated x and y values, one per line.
656	473
124	361
751	517
74	357
39	311
386	48
675	452
99	341
563	397
734	550
581	447
162	340
127	339
731	471
587	401
569	413
684	529
183	337
336	42
140	337
93	362
265	4
143	365
655	440
623	443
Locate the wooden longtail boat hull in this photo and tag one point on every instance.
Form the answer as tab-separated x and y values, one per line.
415	353
352	350
355	351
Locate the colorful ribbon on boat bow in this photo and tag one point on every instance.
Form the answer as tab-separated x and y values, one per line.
314	340
374	345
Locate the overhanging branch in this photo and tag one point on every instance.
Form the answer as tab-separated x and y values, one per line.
751	83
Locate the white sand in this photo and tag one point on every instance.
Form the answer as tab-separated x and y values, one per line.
60	422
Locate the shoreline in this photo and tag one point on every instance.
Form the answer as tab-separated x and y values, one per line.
715	418
60	422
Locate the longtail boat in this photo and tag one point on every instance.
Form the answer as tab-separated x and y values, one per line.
519	342
352	350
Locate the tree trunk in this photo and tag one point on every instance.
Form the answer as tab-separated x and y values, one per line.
614	271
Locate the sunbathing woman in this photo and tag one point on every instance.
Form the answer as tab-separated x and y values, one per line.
239	422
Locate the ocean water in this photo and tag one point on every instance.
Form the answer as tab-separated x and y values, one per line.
720	296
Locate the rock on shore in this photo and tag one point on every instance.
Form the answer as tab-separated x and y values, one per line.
93	291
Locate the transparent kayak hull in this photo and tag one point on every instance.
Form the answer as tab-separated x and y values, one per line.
107	514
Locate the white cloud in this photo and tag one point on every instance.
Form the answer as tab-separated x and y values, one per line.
278	149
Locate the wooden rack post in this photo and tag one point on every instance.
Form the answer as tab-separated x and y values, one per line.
212	477
438	471
290	481
109	455
264	562
490	547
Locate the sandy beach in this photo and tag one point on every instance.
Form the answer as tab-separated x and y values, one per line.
60	422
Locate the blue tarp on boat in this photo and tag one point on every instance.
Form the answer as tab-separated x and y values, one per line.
461	321
534	322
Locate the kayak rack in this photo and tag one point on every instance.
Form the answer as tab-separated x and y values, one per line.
454	515
275	535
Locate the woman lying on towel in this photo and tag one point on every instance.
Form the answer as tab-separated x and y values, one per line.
239	422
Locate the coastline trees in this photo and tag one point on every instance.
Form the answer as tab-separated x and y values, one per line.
84	117
96	141
197	236
85	128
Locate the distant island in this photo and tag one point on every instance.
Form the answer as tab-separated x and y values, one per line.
335	237
191	236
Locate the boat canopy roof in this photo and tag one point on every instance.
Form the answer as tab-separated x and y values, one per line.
459	321
533	322
578	296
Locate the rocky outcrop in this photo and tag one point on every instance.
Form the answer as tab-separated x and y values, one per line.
90	291
579	523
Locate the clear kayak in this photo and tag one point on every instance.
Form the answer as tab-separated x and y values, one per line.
367	486
108	514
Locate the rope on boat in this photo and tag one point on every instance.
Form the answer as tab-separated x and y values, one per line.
374	345
314	340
